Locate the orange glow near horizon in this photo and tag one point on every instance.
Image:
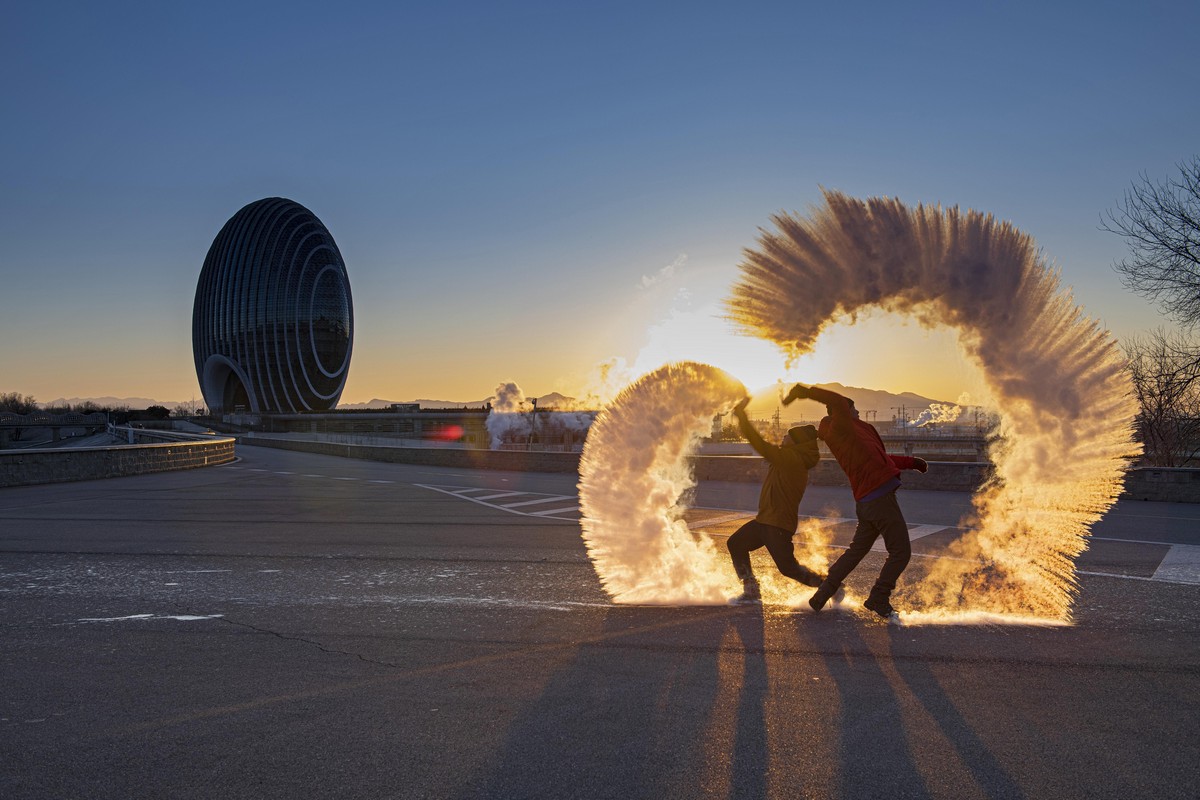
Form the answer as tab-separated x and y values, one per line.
882	351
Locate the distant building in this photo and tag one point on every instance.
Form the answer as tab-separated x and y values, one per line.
273	321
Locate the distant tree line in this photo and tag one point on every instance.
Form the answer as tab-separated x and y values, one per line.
18	403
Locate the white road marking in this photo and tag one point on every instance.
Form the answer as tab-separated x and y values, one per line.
914	532
554	511
1181	564
498	494
461	493
179	617
548	499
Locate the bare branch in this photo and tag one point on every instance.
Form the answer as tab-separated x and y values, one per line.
1161	225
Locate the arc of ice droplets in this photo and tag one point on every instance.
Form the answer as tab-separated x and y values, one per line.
1057	378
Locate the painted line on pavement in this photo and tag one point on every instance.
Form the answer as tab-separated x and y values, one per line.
553	511
914	532
1181	564
511	508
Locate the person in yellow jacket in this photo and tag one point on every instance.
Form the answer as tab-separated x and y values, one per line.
778	505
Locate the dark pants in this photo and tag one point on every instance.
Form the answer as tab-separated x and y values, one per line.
755	534
880	517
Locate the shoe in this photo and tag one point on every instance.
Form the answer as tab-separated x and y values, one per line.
825	591
881	606
750	595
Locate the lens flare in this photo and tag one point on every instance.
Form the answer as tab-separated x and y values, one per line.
447	433
1058	380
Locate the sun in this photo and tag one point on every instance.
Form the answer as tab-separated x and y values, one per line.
703	335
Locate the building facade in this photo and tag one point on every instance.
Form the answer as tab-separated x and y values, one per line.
273	320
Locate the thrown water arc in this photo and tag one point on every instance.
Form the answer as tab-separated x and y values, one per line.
634	475
1058	379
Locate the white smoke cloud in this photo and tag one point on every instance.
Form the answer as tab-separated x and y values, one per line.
509	399
512	418
634	476
666	273
1057	379
937	414
508	417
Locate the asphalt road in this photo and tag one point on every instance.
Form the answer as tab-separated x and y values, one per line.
295	625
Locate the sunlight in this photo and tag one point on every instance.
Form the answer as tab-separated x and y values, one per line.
881	350
704	336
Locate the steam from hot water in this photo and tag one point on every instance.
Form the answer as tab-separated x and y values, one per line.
1057	378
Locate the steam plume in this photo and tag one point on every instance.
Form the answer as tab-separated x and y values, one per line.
938	414
1058	380
634	475
506	417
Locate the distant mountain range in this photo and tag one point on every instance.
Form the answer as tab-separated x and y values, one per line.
872	404
554	399
763	405
133	403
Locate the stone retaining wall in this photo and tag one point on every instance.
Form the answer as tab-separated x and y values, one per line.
1164	485
1143	483
154	451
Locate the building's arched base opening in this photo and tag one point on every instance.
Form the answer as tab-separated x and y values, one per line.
226	388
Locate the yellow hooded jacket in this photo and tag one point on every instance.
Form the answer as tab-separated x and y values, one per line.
787	474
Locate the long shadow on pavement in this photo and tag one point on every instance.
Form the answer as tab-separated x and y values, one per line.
645	713
993	780
876	757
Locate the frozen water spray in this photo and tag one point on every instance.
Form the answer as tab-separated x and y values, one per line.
1057	378
634	476
1058	381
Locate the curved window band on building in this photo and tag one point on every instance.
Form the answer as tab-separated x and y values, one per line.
273	320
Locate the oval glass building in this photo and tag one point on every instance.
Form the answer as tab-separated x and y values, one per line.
273	321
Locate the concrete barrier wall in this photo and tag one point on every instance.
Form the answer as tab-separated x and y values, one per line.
155	451
1143	483
512	460
1163	485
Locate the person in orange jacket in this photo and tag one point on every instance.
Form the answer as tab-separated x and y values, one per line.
778	505
874	478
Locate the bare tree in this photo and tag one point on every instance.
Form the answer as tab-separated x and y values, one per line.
1160	223
17	403
1165	372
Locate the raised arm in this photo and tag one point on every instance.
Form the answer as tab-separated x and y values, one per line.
837	405
770	452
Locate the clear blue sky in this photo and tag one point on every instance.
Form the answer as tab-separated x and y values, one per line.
510	183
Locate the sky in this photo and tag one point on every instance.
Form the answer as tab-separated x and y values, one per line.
530	191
